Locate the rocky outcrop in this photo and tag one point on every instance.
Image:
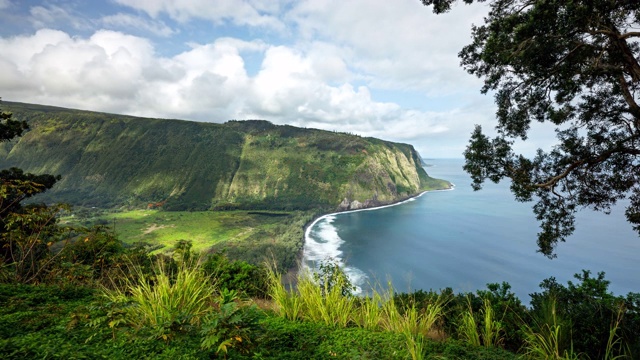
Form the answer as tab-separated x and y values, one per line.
355	205
346	205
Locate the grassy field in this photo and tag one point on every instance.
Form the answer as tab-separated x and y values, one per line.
245	235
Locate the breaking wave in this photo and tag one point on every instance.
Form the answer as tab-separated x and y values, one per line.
322	243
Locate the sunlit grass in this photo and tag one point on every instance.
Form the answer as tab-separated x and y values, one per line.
468	328
202	228
319	302
287	303
322	303
185	296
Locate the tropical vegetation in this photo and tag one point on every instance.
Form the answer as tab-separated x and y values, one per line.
196	306
116	161
72	291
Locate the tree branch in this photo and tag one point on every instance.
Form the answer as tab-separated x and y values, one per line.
604	156
629	34
634	109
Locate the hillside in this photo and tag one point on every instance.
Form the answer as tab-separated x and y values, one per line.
109	160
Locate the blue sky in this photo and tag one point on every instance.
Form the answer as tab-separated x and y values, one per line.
381	68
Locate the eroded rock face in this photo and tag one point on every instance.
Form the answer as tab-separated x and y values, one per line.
344	205
355	205
371	203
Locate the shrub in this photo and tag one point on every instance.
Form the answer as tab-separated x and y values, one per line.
231	326
590	310
166	302
247	279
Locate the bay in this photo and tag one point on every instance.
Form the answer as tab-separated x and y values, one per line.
464	240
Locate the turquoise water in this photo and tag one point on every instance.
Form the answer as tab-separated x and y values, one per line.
465	239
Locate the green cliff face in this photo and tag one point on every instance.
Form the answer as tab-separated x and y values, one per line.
112	160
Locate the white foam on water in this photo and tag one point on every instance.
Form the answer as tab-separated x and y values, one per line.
357	278
322	243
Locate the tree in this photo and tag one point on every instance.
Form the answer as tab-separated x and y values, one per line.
23	229
573	64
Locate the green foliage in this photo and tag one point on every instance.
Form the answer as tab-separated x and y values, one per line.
330	276
178	302
247	279
9	127
92	254
277	239
26	240
547	337
71	321
231	326
325	297
574	65
416	322
490	334
591	310
322	303
470	309
468	328
110	160
24	230
50	322
166	302
249	236
285	339
616	348
287	303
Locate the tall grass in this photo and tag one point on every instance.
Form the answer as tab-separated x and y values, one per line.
415	324
493	329
325	303
488	334
288	303
546	339
468	328
369	313
165	298
615	343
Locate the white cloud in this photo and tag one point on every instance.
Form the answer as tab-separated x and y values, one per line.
52	15
398	44
101	72
249	13
4	4
129	21
338	57
111	71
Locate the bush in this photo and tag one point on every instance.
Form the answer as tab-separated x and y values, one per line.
590	309
249	280
285	339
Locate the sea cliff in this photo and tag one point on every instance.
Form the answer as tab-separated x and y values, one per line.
108	160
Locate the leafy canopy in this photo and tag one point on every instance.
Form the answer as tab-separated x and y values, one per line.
23	229
573	64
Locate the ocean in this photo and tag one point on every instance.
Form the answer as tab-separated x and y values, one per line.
464	240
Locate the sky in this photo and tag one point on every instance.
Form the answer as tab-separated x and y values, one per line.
387	69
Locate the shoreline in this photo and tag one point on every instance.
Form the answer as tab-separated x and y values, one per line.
293	272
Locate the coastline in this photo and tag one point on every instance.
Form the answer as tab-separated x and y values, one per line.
293	272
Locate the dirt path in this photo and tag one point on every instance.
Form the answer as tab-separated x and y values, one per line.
154	227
